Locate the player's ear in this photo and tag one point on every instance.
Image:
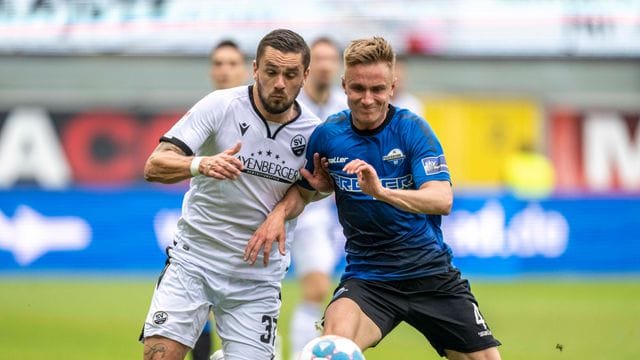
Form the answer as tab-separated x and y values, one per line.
393	85
255	70
305	75
344	85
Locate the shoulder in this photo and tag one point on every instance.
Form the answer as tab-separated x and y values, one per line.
339	119
335	123
307	116
407	120
217	98
331	128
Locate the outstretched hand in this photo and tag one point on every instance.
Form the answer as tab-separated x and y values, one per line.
319	179
272	229
367	176
223	166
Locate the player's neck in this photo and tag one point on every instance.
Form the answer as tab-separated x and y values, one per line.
281	118
368	126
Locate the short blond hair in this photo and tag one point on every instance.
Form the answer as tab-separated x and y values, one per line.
369	51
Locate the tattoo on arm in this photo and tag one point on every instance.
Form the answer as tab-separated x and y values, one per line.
150	352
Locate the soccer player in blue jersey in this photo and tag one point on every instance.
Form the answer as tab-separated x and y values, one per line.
392	186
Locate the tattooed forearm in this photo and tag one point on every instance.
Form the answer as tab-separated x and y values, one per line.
156	351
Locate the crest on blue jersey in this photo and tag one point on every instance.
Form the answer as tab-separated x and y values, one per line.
395	156
298	144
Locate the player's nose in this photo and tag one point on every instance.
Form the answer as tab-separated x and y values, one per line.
280	83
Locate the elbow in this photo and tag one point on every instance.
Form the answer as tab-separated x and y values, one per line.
447	204
149	171
446	208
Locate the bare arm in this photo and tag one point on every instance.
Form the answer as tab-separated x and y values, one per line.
273	229
433	197
168	164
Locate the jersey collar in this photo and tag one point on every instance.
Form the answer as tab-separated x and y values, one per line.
266	125
369	132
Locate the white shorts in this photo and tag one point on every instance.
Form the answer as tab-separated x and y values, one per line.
313	247
246	311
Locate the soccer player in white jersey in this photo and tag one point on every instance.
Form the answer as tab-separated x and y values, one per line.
242	148
313	249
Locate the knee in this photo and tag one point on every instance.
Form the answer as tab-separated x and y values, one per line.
339	328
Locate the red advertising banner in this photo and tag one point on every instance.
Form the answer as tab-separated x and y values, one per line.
94	147
595	150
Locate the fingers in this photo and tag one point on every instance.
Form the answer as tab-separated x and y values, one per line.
320	181
281	244
307	175
260	242
316	163
357	166
253	247
325	164
267	248
234	149
222	166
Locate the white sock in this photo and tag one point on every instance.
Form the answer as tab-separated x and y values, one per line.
302	327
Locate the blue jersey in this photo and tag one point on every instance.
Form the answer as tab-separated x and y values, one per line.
384	242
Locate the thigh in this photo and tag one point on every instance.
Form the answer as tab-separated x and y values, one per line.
179	307
447	313
369	302
344	318
247	319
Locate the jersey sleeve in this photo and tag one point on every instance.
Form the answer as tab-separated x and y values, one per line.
193	129
428	162
312	148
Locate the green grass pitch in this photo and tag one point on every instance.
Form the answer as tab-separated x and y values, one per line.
547	318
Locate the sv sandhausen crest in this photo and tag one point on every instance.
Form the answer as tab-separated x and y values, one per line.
394	156
160	317
298	145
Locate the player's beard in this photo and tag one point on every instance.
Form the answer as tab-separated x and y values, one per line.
273	107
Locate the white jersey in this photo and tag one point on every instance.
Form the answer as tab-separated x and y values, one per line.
337	102
220	216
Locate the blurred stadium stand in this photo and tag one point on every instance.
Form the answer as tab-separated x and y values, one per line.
87	87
